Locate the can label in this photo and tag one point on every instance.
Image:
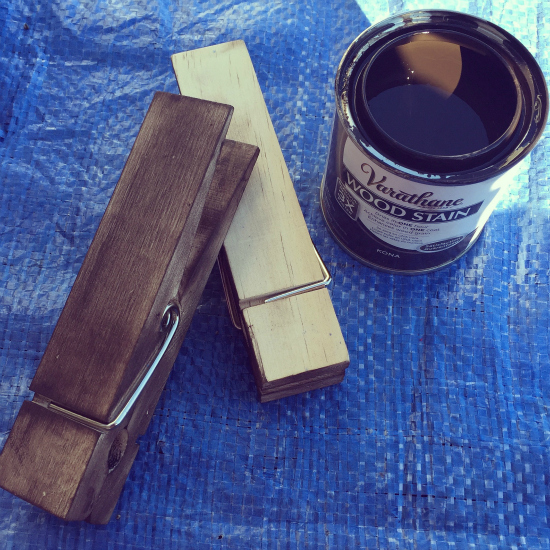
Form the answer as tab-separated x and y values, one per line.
398	224
408	214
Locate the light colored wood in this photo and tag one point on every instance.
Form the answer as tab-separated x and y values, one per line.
296	335
296	343
268	245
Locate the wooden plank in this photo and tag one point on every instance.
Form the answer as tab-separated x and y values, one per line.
233	171
301	387
295	344
268	246
136	260
267	250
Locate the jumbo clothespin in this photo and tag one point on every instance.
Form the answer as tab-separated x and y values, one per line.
72	447
274	279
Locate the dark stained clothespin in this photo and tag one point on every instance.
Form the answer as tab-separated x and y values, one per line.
97	385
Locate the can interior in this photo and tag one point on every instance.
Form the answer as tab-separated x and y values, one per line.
440	94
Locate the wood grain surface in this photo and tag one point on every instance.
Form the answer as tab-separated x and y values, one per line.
134	265
268	245
296	344
45	458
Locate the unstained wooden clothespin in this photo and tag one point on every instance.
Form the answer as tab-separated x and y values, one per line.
274	279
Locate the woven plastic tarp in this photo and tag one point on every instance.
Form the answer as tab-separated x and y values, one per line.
437	438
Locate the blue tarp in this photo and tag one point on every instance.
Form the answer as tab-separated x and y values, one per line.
437	438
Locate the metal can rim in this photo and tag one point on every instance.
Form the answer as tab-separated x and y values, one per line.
495	37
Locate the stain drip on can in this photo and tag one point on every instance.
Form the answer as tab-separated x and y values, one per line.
433	111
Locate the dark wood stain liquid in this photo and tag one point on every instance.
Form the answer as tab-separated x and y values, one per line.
420	117
438	94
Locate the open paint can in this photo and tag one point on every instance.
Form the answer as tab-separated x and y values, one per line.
433	110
